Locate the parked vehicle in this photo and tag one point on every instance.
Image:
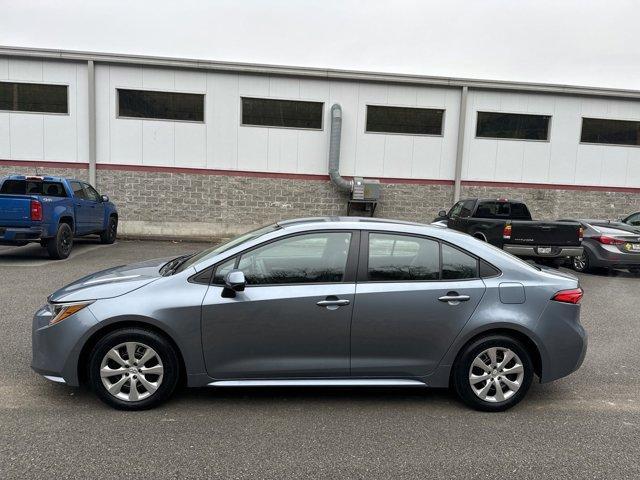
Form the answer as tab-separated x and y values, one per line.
632	220
317	302
52	211
608	245
507	224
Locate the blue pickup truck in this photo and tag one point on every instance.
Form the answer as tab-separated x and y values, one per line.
52	211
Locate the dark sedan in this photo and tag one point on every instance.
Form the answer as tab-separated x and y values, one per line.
608	244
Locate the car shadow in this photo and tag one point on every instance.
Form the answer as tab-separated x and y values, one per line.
33	252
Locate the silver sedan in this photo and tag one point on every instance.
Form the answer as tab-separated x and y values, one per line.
317	302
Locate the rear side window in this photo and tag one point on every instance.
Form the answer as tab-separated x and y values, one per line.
400	257
33	187
457	265
516	211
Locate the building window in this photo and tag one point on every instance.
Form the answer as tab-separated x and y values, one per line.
266	112
161	105
513	126
612	132
404	120
33	97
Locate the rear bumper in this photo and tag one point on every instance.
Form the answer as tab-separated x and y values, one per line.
564	338
611	256
533	251
12	235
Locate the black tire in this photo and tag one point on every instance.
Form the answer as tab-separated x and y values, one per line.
165	352
582	263
109	235
635	271
462	371
60	246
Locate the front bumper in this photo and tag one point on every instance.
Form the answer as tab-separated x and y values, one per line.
533	251
56	348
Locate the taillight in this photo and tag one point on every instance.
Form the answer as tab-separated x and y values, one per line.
36	211
609	240
569	296
506	232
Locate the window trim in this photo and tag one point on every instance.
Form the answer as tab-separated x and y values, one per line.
68	112
580	142
549	127
148	119
307	129
434	135
363	264
350	267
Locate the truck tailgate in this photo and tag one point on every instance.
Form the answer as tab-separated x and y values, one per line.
545	233
15	210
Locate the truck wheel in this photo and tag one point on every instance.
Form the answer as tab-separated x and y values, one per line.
110	234
59	247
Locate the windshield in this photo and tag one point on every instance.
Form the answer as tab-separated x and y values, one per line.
213	251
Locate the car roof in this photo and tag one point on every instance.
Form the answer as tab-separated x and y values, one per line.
342	220
46	178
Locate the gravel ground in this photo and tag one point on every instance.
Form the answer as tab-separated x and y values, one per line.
584	426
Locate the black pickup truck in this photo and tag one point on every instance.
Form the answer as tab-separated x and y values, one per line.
507	224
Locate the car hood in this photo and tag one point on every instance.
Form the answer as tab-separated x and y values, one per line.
110	283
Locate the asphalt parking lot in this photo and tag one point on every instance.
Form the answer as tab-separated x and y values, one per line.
583	426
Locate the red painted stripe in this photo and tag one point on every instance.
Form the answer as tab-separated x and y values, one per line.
304	176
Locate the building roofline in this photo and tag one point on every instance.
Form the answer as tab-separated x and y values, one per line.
328	73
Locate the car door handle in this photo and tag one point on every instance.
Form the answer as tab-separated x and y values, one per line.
454	299
340	302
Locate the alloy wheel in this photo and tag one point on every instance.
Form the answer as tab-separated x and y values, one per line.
496	374
131	371
580	263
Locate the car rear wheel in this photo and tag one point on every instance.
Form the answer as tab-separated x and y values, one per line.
110	234
133	369
59	247
493	373
581	263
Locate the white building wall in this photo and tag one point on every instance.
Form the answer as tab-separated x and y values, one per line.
223	143
562	159
46	137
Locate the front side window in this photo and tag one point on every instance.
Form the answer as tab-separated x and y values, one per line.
90	193
455	210
309	258
161	105
78	190
33	97
634	220
268	112
515	126
610	132
222	270
402	257
457	265
404	120
467	208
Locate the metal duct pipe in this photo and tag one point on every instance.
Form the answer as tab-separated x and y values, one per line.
334	150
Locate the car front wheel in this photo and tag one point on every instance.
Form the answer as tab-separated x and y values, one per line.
133	369
493	373
110	234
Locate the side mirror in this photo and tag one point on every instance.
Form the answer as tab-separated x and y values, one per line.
234	281
442	213
105	198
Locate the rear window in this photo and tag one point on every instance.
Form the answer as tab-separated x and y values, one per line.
515	211
33	187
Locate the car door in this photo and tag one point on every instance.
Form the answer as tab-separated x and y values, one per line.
95	208
81	207
414	294
293	318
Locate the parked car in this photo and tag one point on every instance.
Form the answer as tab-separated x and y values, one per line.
317	302
608	245
632	220
507	224
52	211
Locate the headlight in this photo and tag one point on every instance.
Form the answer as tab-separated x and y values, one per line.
60	311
